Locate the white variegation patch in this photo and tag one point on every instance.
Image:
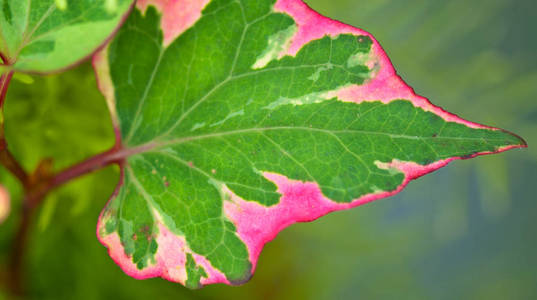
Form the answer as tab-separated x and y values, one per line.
315	76
311	98
229	116
278	44
197	126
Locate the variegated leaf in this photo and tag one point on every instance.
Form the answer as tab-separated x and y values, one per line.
48	35
240	118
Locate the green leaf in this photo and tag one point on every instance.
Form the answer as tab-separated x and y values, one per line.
239	118
49	35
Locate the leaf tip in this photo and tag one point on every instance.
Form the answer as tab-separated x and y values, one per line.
242	280
510	141
513	141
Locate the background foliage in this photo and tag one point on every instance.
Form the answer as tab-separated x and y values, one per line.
464	232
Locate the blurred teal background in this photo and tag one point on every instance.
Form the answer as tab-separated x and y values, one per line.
464	232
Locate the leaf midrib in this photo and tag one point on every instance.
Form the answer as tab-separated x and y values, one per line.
155	145
27	36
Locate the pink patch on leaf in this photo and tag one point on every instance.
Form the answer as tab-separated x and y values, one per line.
304	202
177	15
117	253
311	25
386	86
213	275
170	259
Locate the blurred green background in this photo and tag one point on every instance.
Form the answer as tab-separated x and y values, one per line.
464	232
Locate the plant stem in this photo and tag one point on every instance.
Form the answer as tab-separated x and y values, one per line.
39	183
36	187
16	259
6	158
11	164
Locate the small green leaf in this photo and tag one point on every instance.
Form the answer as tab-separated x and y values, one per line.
249	118
49	35
24	78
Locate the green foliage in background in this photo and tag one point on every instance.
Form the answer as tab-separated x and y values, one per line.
461	233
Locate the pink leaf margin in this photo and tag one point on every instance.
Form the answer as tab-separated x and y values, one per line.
300	201
304	201
177	15
170	259
385	87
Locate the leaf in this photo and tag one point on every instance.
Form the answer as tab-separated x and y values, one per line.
240	118
48	35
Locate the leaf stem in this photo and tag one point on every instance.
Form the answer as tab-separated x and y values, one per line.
6	158
87	166
36	187
11	164
4	84
40	182
16	258
116	155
